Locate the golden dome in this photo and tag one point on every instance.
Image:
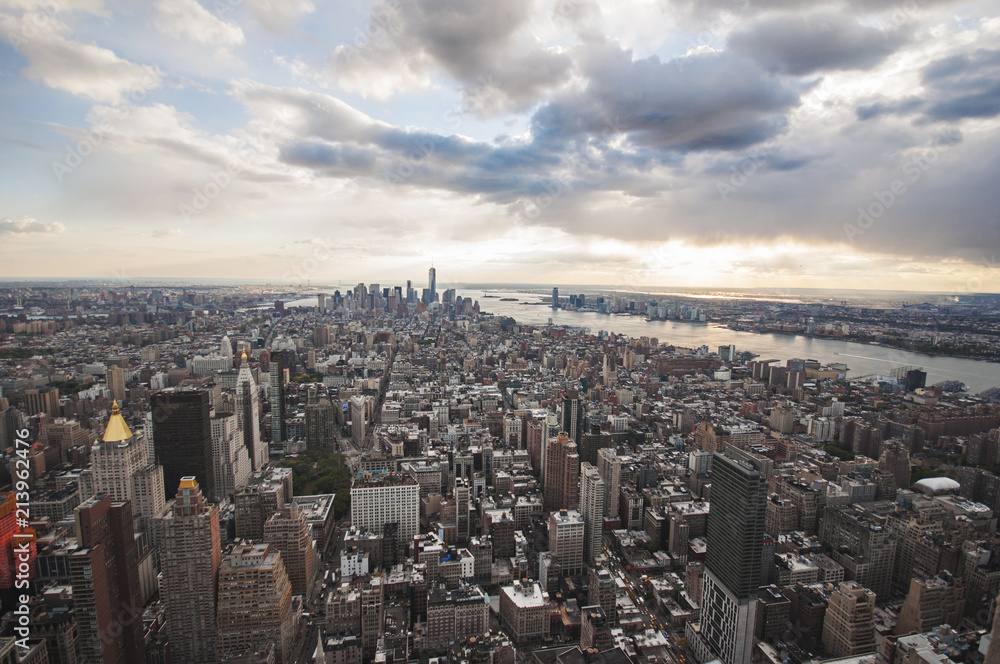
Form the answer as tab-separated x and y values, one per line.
117	430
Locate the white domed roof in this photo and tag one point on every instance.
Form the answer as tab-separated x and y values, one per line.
935	484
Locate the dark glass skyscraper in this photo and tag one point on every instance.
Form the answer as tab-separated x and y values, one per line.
733	556
572	415
280	362
431	284
182	438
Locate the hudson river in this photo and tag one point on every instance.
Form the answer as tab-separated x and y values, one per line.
863	359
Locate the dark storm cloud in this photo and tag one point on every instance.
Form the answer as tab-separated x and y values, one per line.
483	45
889	107
631	117
331	159
711	101
966	85
802	45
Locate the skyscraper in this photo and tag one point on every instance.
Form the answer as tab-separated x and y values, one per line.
190	555
123	471
289	532
320	421
255	601
431	284
248	415
572	415
105	579
115	379
610	468
182	438
279	367
592	507
732	560
378	500
232	466
555	298
849	624
562	474
566	540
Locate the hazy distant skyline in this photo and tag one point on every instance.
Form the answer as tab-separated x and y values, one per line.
719	144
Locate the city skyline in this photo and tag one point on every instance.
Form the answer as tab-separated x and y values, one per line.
708	145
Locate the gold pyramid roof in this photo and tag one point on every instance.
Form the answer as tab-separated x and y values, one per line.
117	430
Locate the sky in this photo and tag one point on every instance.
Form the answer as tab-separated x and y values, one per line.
692	143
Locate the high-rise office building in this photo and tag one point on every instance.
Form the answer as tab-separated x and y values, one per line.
932	602
592	507
105	579
359	416
602	592
525	612
289	532
42	400
592	442
280	362
562	474
555	298
232	465
379	500
733	556
573	415
566	540
849	625
372	617
320	422
610	468
248	416
431	284
115	379
123	471
190	555
254	602
463	493
182	438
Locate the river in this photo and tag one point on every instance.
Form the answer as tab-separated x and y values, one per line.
863	359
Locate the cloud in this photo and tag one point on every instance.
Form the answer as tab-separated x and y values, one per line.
29	226
49	7
278	16
889	107
958	86
187	19
965	85
802	45
163	233
84	70
479	44
706	101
